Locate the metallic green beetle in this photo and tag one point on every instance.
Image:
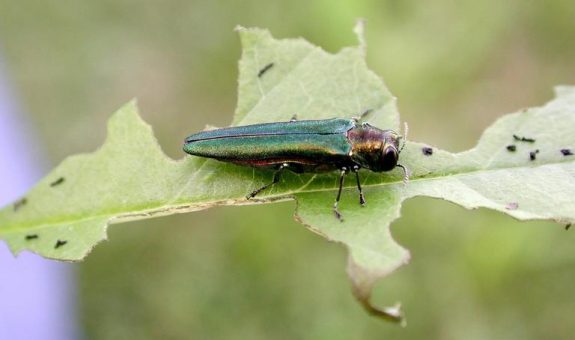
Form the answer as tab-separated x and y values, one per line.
303	146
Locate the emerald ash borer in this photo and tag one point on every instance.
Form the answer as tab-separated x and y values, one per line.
344	145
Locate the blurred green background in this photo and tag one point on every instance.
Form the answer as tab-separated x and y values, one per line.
252	272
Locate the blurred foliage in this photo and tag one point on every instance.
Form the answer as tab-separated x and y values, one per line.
251	272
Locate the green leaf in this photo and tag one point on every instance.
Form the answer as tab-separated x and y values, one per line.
130	178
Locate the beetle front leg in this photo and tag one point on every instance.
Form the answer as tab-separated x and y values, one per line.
274	181
341	178
361	197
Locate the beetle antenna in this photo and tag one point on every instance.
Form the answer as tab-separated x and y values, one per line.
404	137
405	173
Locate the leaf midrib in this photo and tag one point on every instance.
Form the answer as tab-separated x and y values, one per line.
183	208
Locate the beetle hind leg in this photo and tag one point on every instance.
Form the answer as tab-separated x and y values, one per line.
275	180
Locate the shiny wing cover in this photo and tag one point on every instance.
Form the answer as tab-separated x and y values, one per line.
306	142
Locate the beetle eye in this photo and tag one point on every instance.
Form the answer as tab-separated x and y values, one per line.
389	159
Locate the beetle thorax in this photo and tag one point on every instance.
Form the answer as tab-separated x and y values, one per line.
369	144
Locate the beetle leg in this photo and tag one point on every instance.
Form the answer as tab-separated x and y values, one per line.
361	197
341	177
274	181
365	114
362	117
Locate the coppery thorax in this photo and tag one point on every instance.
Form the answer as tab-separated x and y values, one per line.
369	145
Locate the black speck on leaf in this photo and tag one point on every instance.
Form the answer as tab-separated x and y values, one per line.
59	244
533	154
19	204
31	237
523	139
427	151
566	152
511	148
57	182
265	69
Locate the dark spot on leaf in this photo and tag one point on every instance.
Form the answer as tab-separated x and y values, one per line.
31	237
566	152
512	206
511	148
265	69
523	139
567	226
59	244
532	154
57	182
427	151
19	204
